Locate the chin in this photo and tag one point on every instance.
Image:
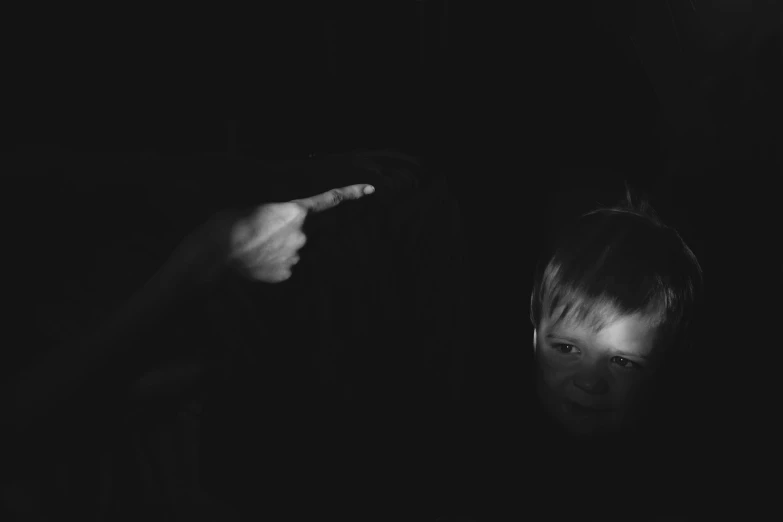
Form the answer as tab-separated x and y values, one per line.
601	425
588	429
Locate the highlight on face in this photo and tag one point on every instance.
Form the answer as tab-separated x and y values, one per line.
612	295
590	371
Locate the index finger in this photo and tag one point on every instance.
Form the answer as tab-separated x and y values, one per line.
334	197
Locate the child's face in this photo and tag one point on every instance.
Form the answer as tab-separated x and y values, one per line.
588	379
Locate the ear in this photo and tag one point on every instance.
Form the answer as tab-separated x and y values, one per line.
535	341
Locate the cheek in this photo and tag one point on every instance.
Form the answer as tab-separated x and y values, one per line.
556	371
628	384
626	390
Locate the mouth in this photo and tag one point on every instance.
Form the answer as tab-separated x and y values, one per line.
581	409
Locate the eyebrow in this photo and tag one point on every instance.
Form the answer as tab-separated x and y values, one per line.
563	337
617	352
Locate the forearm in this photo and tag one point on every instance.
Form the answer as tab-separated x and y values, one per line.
114	351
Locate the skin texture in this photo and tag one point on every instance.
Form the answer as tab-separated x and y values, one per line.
264	246
261	245
603	370
264	251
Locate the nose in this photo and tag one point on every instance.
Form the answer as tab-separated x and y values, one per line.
592	384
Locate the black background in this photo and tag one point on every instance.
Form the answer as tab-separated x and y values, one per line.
534	116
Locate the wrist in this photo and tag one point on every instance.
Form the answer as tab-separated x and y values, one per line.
203	258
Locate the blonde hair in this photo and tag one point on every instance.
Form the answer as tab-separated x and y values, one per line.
614	262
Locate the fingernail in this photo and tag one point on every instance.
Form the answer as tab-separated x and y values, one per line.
369	189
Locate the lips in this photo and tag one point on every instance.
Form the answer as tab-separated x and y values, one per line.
578	408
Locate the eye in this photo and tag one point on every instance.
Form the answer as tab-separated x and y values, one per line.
626	364
564	348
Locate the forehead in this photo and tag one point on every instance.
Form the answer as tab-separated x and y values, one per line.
594	312
634	333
